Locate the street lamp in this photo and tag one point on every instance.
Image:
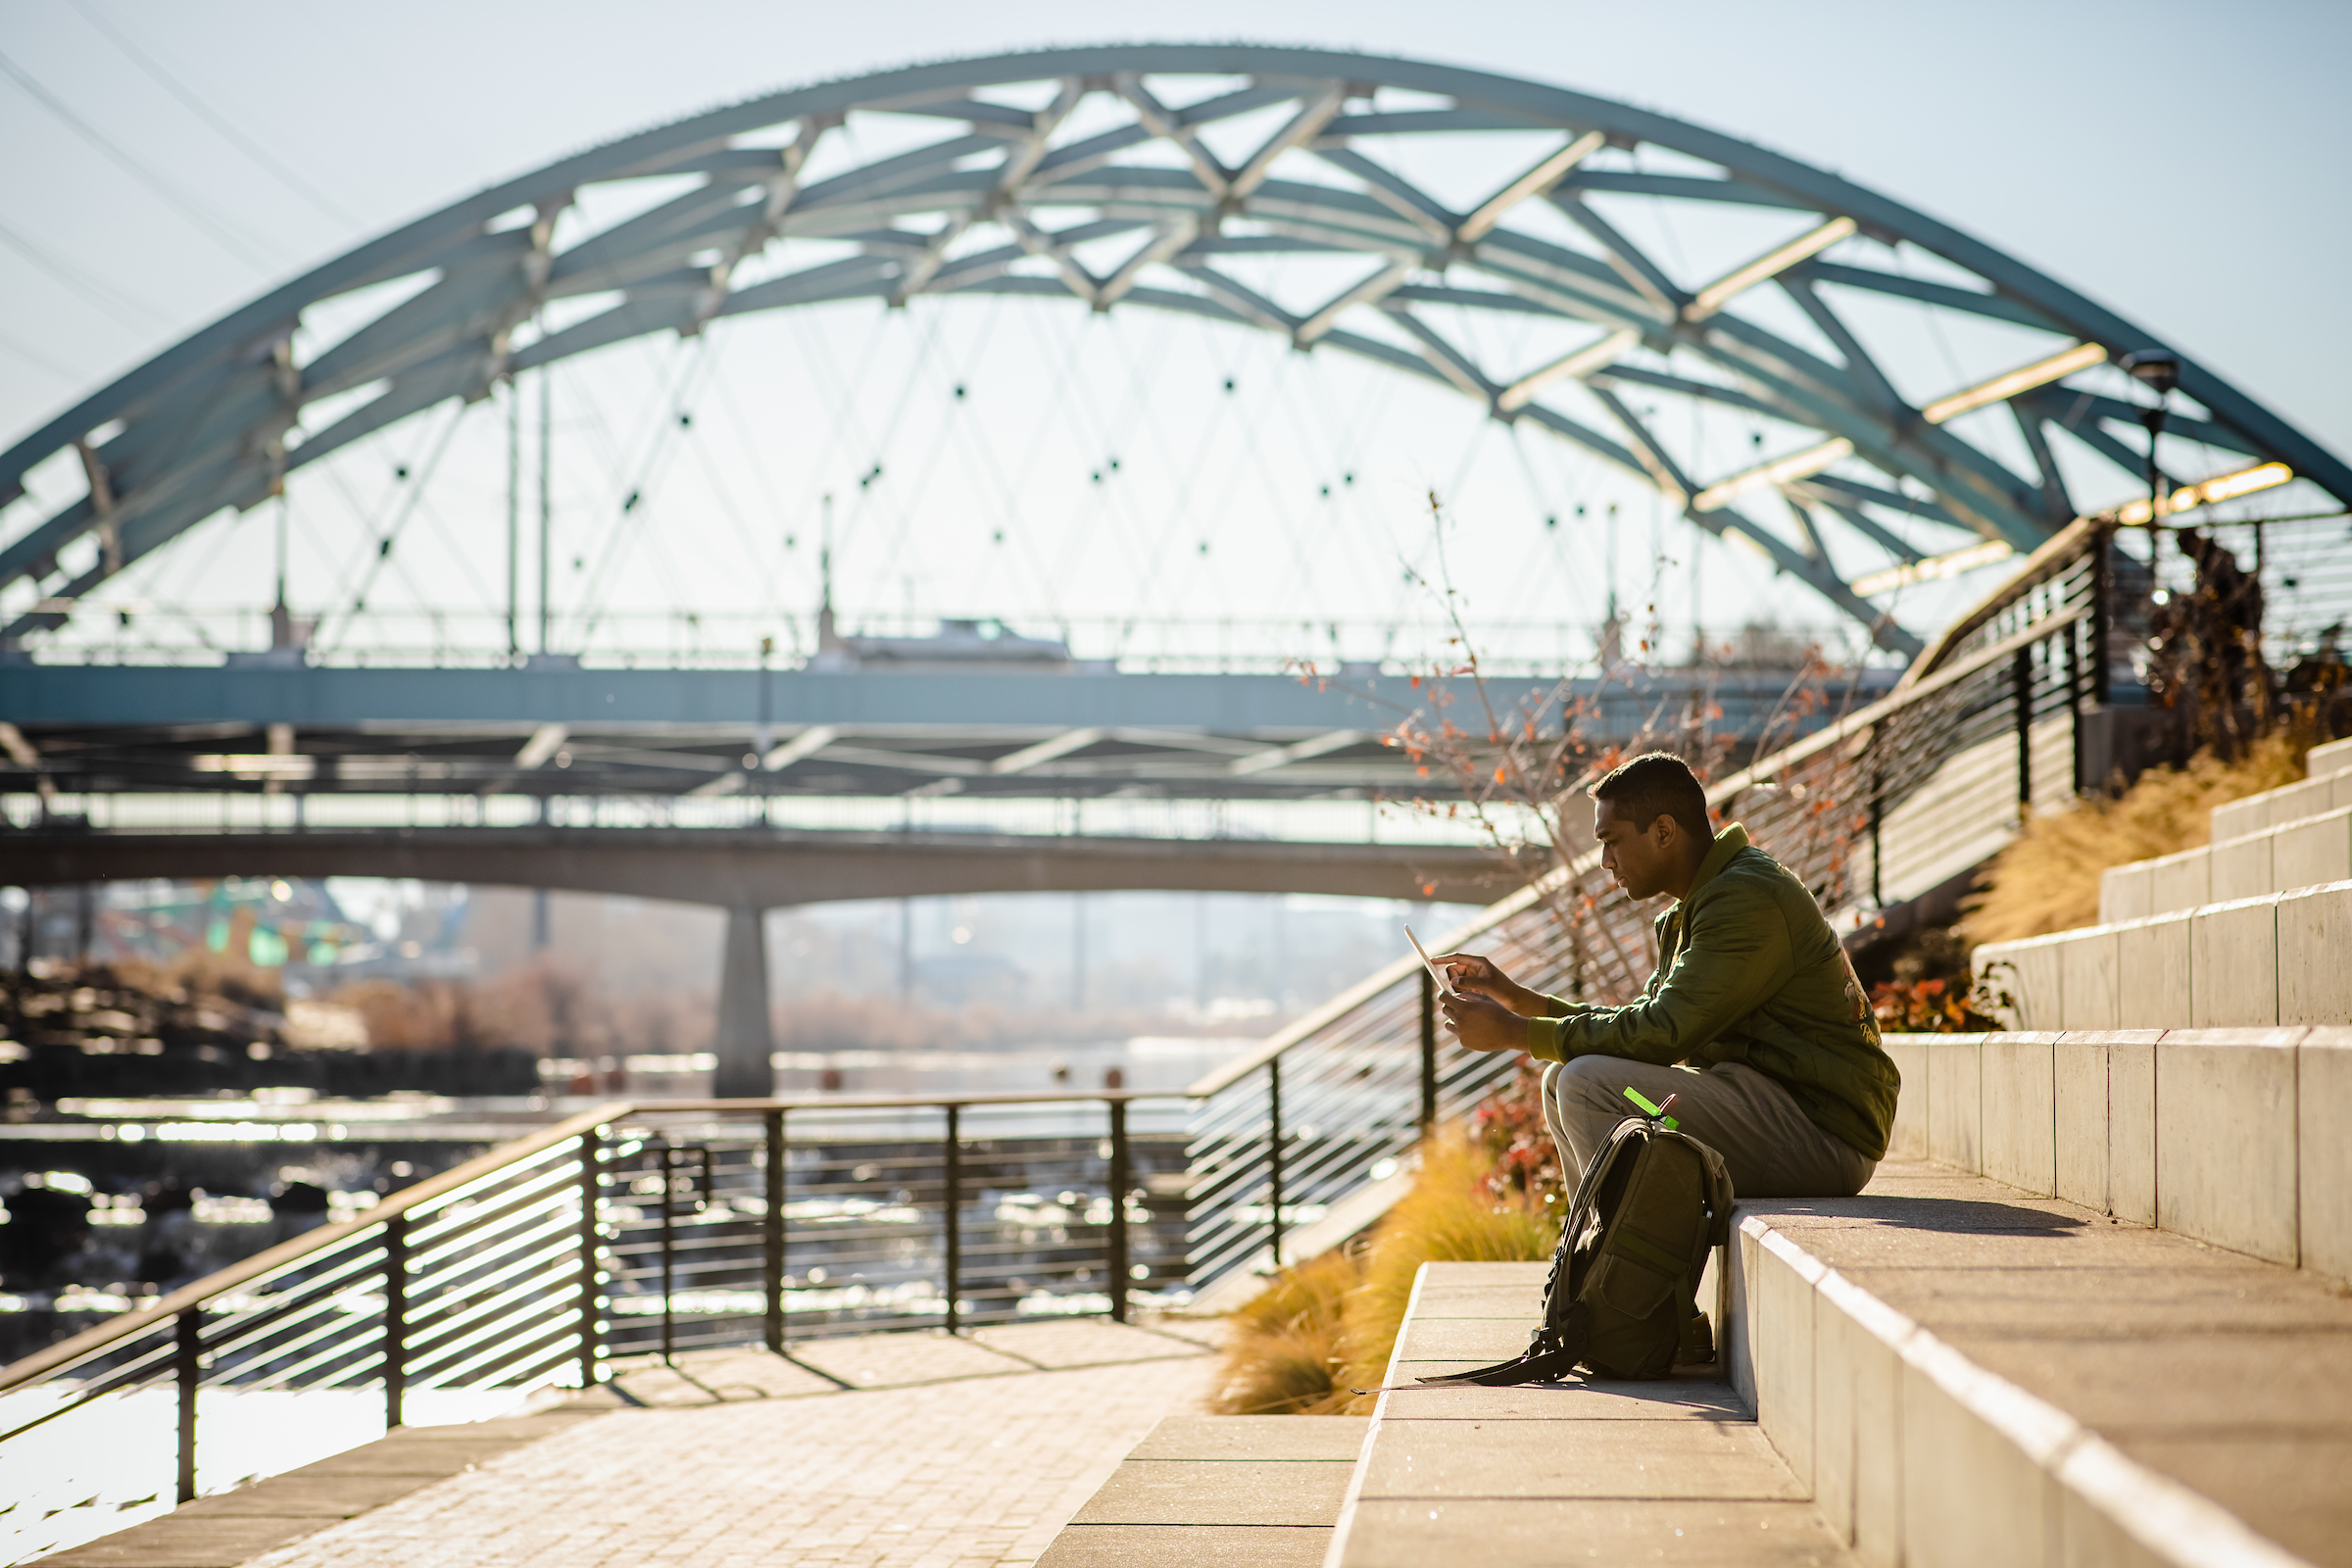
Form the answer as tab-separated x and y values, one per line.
2160	371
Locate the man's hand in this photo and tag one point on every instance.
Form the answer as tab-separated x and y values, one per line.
1482	977
1483	1025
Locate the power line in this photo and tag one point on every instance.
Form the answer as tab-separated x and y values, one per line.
88	288
229	132
223	234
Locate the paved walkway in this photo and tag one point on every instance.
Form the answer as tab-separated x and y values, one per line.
982	1467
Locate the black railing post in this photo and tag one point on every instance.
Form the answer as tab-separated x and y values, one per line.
1428	1053
668	1251
1274	1155
591	1246
954	1210
2101	593
188	1364
396	1321
1119	1178
2022	675
1878	828
774	1231
2073	697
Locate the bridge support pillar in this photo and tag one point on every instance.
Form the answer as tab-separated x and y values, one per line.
744	1040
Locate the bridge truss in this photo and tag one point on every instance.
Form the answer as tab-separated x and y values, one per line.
1153	178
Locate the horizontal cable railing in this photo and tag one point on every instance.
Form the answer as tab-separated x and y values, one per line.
650	1229
1875	807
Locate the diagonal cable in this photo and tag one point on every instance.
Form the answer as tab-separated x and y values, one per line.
205	112
221	232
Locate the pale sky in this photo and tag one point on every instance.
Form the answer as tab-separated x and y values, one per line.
2179	164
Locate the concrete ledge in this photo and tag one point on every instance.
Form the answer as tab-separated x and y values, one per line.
2315	955
2283	958
2333	758
2154	988
2287	804
2226	1135
2091	982
1955	1102
1929	1355
2181	881
2241	867
2126	893
2311	851
2233	964
2016	1074
2234	1137
2323	1151
2290	852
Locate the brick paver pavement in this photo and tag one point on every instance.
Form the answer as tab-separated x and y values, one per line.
978	1471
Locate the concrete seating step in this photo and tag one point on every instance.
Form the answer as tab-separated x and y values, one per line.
1208	1492
2232	1137
2326	784
2303	852
2290	803
2333	758
1674	1471
2279	959
1962	1373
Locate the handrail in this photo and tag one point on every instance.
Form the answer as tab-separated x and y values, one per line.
221	1281
1887	707
996	1097
2053	555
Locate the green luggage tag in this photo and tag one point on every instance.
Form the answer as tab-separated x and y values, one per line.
1656	1113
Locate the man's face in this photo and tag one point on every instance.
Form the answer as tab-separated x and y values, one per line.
1639	861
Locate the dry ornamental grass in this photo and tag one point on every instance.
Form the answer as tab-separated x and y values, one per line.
1325	1327
2048	880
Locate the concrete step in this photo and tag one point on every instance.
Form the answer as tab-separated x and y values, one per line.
1961	1373
1210	1490
2279	959
2232	1137
1674	1471
2290	803
2305	853
2333	758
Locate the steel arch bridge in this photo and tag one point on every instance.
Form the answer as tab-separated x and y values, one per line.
1037	163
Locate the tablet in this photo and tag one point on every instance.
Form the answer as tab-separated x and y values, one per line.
1444	985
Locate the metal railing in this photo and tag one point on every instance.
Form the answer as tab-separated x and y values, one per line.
1881	805
641	1230
654	1229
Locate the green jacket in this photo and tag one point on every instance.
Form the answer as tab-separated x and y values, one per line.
1749	971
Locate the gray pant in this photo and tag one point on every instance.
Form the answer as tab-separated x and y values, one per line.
1773	1150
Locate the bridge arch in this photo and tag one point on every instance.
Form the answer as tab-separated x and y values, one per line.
1018	189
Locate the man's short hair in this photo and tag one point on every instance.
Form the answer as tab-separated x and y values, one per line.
1656	784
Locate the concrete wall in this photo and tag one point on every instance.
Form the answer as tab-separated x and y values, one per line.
2234	1137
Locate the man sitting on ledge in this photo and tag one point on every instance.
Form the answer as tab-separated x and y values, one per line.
1754	1019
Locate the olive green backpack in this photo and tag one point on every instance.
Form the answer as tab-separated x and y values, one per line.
1620	1293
